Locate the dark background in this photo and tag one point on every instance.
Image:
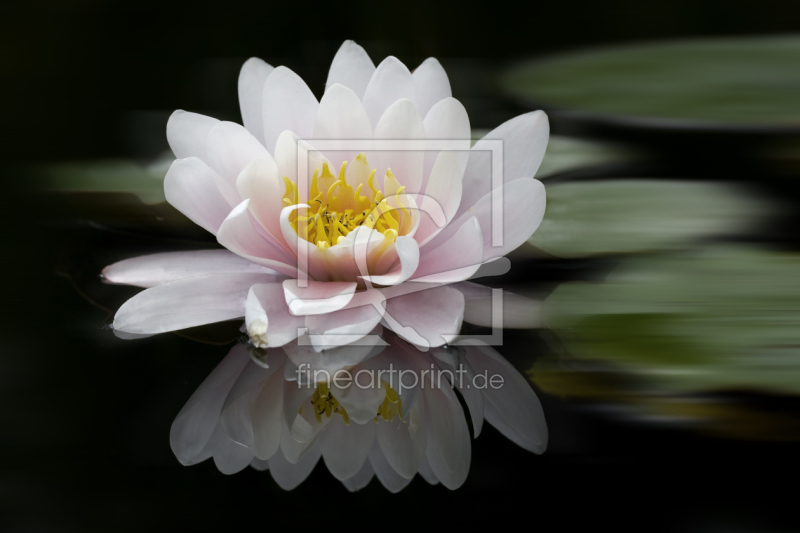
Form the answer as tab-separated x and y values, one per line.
85	416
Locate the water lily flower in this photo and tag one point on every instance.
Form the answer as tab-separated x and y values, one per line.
358	238
245	414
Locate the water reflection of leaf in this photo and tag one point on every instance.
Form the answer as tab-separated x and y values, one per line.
623	216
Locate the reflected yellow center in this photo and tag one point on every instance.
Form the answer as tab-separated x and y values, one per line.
325	404
336	208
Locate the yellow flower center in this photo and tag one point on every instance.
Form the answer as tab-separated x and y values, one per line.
325	404
336	208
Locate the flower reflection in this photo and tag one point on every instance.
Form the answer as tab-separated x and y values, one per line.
389	427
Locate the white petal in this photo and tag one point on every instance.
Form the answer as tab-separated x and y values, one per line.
251	91
193	188
362	396
345	448
287	475
360	480
431	84
404	255
187	303
260	183
401	122
288	104
187	133
229	456
431	316
341	116
317	297
443	415
452	479
156	269
448	122
268	418
443	191
397	446
518	312
390	82
265	302
390	479
524	143
230	149
351	67
426	472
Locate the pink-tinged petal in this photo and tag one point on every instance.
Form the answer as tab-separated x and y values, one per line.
187	303
317	297
192	188
351	67
456	259
311	359
309	257
400	122
345	447
230	149
288	104
522	202
156	269
268	320
187	133
390	82
441	451
399	261
447	122
518	312
341	117
514	401
268	417
260	183
238	235
443	192
287	475
251	91
394	439
360	480
524	142
230	457
197	420
388	477
443	413
431	83
330	331
433	315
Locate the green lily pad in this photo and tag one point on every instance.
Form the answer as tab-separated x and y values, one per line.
116	176
734	81
726	319
635	215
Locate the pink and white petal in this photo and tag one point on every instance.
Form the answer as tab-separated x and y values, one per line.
268	320
438	453
156	269
519	312
443	191
230	457
390	82
238	235
433	315
394	439
400	122
192	188
308	357
443	413
514	400
456	259
187	133
309	258
230	149
523	203
195	424
360	480
330	331
447	122
287	475
317	297
387	475
187	303
341	117
399	262
251	91
431	83
351	67
288	104
524	142
268	417
261	184
345	447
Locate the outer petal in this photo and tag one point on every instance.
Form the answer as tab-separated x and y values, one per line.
514	400
345	448
397	446
440	452
268	417
456	259
390	479
156	269
401	122
443	191
229	456
519	312
317	297
431	84
448	121
524	143
251	90
404	255
360	480
268	320
351	67
288	104
390	82
193	188
187	133
287	475
187	303
260	183
432	315
344	327
230	149
341	116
